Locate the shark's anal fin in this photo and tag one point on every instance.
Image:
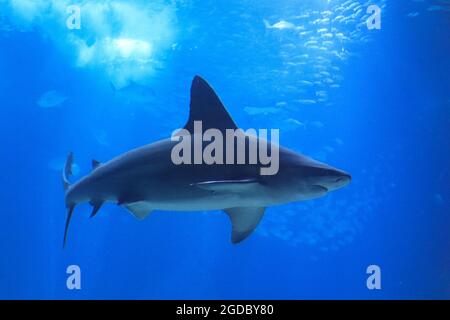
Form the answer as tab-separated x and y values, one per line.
244	221
140	209
206	107
231	186
96	205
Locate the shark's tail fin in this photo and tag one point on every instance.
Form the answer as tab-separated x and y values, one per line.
67	171
66	229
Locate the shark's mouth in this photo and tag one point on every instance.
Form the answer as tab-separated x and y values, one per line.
343	179
320	188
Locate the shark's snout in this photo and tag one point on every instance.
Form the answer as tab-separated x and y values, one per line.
344	179
333	179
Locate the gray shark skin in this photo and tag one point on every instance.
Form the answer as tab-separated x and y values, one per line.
146	179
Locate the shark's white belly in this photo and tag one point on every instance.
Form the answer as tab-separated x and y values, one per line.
214	202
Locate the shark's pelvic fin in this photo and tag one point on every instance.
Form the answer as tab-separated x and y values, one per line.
244	221
227	185
95	164
139	209
206	106
67	172
96	205
69	216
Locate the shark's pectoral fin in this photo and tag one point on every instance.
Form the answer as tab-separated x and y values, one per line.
244	221
231	186
140	209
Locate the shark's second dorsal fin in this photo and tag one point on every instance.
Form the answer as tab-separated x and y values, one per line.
206	107
95	164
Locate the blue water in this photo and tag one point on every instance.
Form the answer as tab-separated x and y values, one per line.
375	103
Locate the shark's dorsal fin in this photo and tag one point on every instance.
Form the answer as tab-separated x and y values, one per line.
206	106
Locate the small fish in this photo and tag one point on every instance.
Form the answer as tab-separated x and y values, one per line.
317	124
134	93
328	149
413	14
306	83
306	101
327	35
51	99
280	25
57	164
264	111
438	199
321	94
292	124
310	43
304	33
102	137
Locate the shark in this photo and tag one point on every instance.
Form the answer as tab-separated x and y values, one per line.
146	179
